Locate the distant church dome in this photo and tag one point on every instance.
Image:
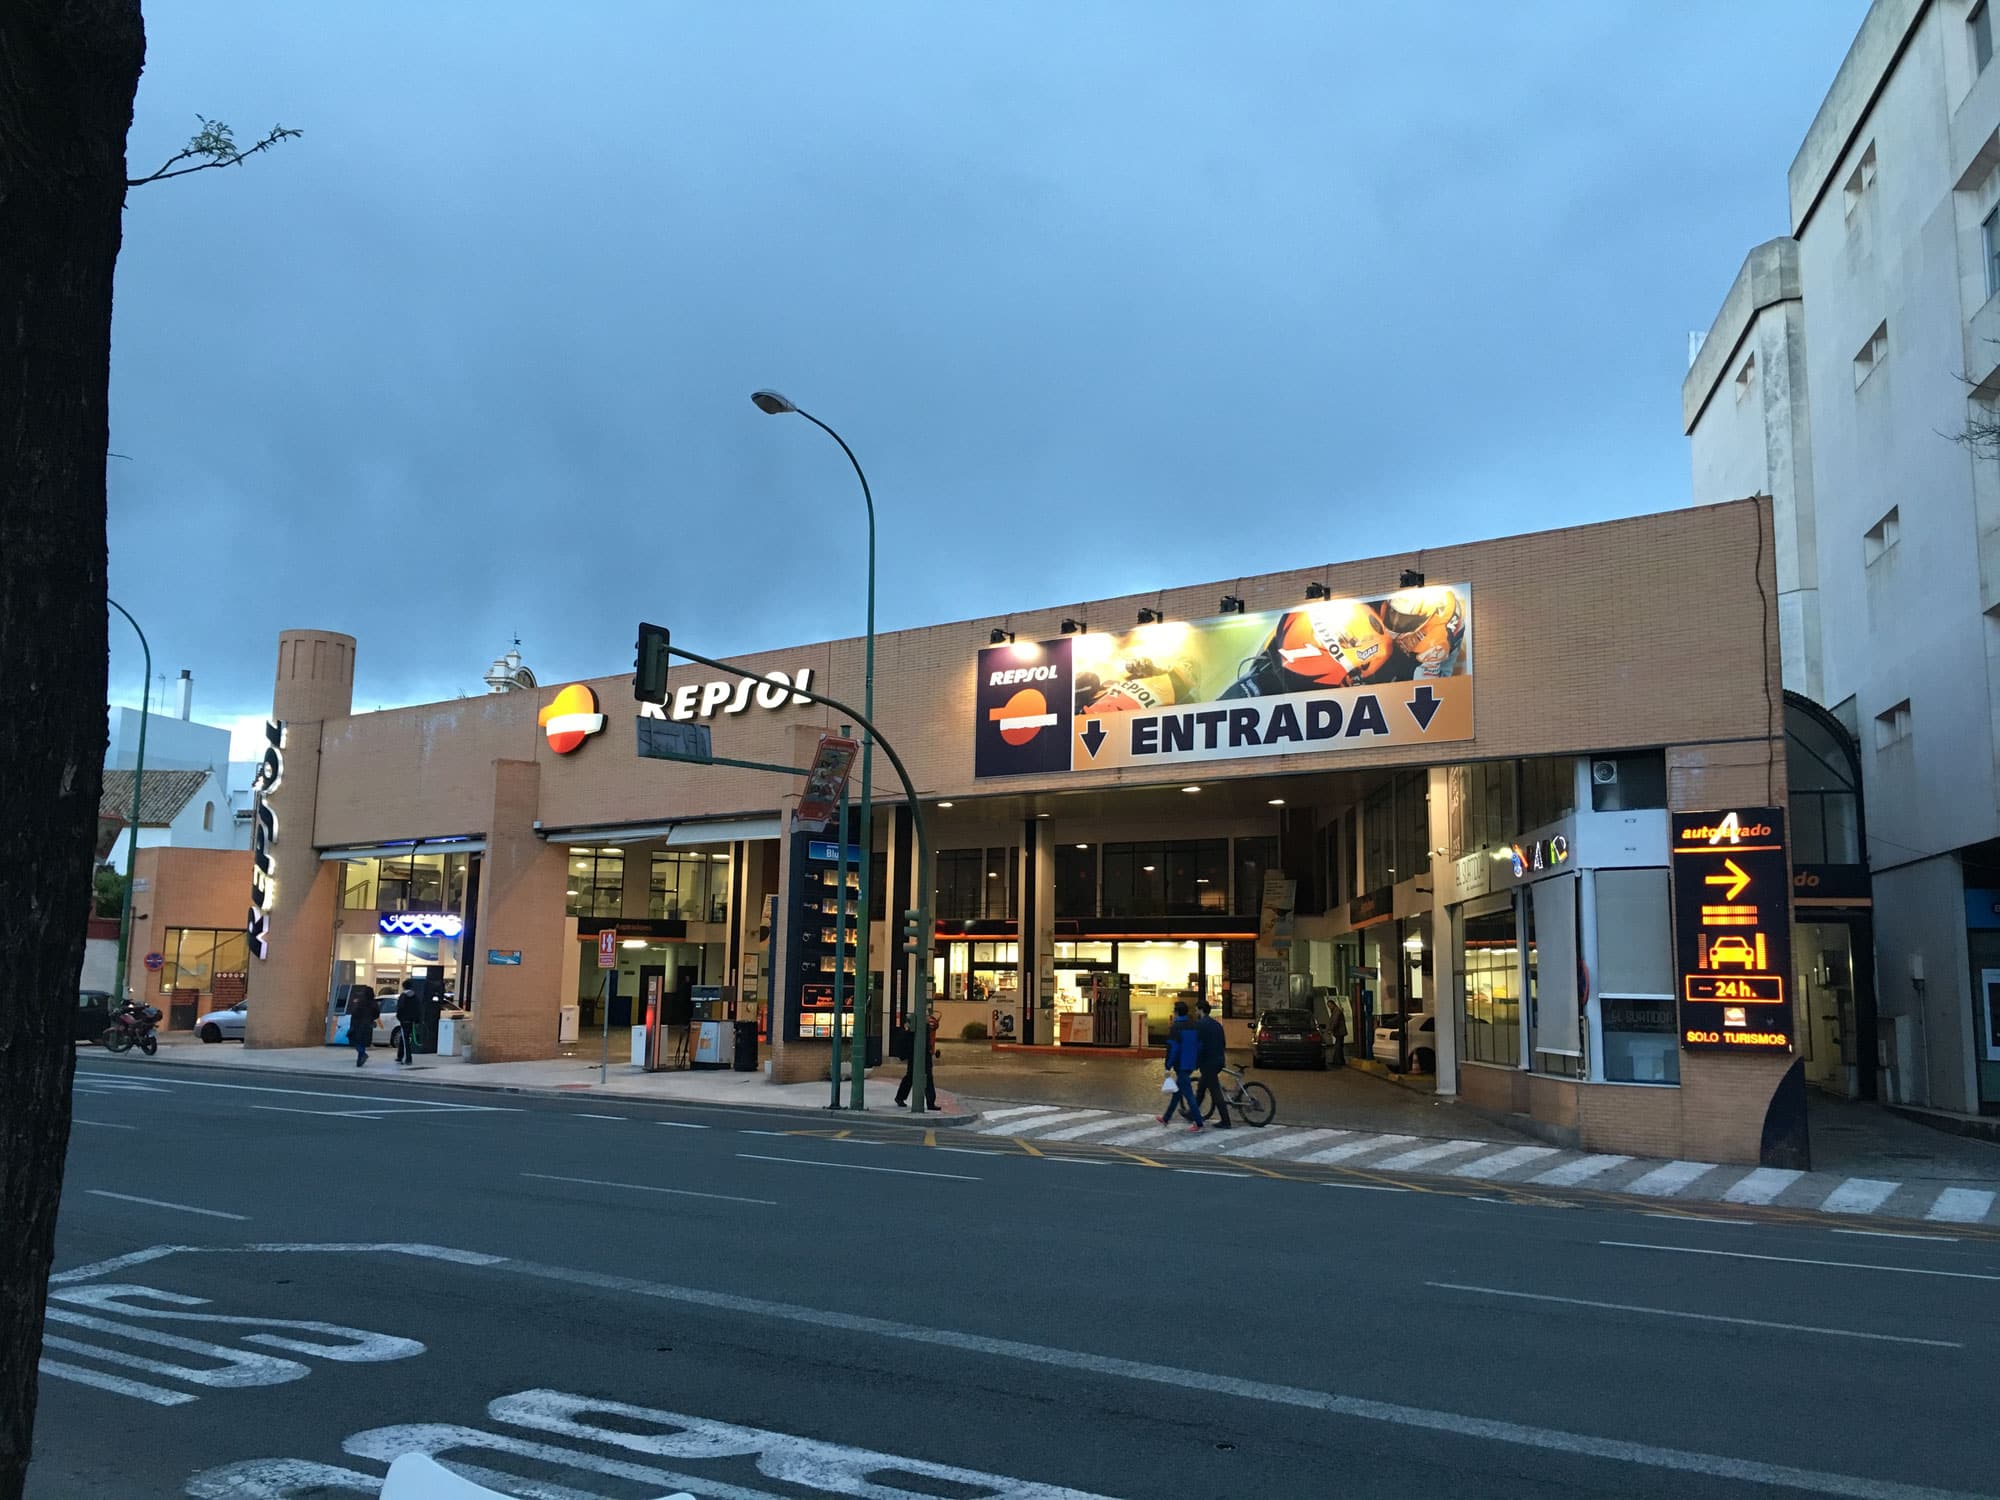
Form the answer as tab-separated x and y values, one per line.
508	674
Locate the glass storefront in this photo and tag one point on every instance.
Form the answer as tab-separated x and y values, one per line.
689	884
402	917
973	969
1490	977
1152	973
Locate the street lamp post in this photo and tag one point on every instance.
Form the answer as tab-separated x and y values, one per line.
132	831
773	404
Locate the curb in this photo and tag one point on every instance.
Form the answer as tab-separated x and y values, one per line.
926	1121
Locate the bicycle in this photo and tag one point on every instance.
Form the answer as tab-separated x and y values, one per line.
1252	1101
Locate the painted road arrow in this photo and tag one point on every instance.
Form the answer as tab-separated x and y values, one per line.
1093	737
1734	878
1423	707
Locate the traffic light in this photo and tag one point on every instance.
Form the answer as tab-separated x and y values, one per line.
649	665
913	933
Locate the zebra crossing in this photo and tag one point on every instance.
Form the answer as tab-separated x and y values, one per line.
1503	1162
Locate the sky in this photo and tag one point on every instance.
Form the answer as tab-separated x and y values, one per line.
1107	295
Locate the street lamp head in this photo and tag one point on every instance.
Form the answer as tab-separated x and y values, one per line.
771	403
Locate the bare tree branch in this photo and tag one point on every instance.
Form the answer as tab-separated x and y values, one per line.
215	145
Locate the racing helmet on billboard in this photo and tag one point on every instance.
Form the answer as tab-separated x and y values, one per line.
1143	684
1429	624
1354	635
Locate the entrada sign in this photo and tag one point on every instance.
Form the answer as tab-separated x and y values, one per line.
1329	675
700	700
1733	929
269	774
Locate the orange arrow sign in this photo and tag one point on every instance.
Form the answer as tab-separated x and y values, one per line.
1736	880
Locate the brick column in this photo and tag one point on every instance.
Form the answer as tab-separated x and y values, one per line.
288	987
521	906
791	1062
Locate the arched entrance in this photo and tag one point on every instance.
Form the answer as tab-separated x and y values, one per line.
1833	935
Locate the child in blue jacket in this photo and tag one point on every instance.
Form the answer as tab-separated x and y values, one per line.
1183	1057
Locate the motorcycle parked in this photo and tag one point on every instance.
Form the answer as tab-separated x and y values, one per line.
133	1025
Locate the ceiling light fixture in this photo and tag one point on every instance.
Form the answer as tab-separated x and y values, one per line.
1277	802
944	804
1190	788
1080	846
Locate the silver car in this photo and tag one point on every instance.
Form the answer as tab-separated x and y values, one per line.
223	1025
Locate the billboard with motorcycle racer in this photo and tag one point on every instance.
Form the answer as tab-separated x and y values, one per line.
1329	674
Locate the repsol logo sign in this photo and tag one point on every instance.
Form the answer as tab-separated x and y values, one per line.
1009	676
702	700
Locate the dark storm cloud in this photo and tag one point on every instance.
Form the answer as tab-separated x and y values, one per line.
1107	297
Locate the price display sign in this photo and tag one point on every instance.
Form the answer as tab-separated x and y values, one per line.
1733	929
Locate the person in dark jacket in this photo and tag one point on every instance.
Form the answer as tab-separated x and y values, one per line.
361	1013
1214	1055
409	1019
1183	1056
930	1066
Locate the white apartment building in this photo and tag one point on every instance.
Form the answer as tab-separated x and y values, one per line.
1846	358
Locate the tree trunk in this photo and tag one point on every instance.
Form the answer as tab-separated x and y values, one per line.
68	73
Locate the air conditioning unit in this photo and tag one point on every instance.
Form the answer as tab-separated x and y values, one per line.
1604	773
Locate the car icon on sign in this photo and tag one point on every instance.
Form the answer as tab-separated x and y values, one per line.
1732	950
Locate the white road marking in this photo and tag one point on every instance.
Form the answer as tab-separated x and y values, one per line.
1211	1172
1488	1167
640	1187
1570	1173
1017	1111
185	1208
1664	1182
1273	1142
234	1370
1858	1195
1152	1131
1095	1127
1356	1148
1715	1466
1369	1187
101	1124
763	1132
1086	1161
975	1151
1060	1117
582	1116
670	1124
1406	1160
1762	1185
853	1166
1669	1312
1680	1217
115	1263
1796	1260
138	1390
1961	1206
86	1083
1206	1139
1892	1234
265	1088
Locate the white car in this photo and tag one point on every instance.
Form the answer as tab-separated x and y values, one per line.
1420	1030
386	1026
223	1025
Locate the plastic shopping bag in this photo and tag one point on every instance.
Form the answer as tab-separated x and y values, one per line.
1168	1085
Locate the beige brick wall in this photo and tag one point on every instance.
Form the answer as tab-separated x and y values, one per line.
521	905
184	888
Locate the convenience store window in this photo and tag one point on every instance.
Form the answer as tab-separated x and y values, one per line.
596	885
690	885
195	955
1490	978
1178	879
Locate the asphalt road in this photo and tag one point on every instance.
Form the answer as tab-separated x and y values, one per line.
267	1287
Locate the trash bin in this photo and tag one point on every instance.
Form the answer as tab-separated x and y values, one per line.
567	1023
746	1047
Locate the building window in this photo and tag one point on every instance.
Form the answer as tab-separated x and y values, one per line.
688	885
1395	831
1182	879
1254	856
596	885
1746	376
1861	180
974	884
208	817
1076	881
1548	791
1491	983
1635	779
1824	785
1979	34
1635	981
195	955
1880	537
1872	353
1892	724
1479	807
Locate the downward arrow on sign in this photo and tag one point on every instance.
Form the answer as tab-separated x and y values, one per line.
1423	707
1093	737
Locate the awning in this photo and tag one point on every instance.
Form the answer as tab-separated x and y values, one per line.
406	847
680	834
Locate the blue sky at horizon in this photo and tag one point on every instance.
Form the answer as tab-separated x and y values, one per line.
1108	297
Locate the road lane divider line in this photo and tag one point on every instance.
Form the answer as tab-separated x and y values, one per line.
1368	1187
975	1151
1800	1260
1180	1380
115	1264
1670	1312
1891	1234
182	1208
1211	1172
101	1124
267	1088
853	1166
118	1385
580	1115
642	1187
690	1125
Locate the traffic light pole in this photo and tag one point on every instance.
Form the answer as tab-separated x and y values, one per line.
649	679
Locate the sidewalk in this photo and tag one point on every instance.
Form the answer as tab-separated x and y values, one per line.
569	1077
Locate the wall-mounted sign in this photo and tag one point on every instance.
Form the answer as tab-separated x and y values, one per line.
701	700
269	775
155	962
1733	929
826	783
1336	674
607	948
1371	907
570	718
506	958
1539	856
420	924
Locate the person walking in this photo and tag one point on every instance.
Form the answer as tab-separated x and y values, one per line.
930	1071
1336	1027
1212	1057
362	1010
1183	1055
409	1020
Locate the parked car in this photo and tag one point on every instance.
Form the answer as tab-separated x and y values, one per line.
93	1014
223	1025
386	1027
1408	1043
1288	1036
